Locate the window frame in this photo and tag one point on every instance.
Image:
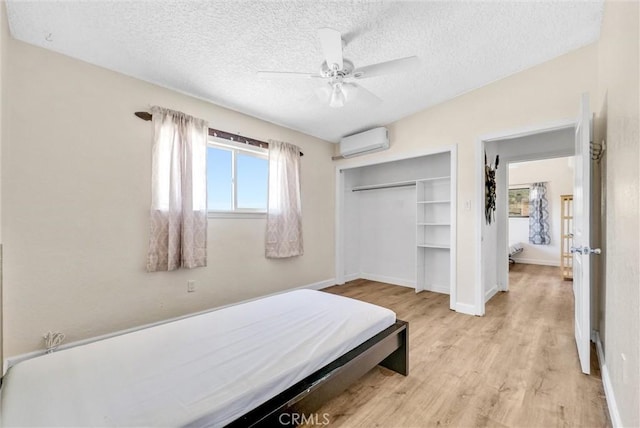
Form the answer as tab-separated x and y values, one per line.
235	149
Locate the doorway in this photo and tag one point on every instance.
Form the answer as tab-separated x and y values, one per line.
553	141
540	236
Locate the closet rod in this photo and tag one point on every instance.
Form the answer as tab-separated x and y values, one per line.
384	186
219	134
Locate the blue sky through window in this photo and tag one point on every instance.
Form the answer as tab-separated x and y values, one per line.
251	180
252	176
219	188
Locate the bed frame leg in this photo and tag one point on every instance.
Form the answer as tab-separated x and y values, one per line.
398	360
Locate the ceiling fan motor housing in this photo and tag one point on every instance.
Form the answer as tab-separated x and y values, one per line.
335	74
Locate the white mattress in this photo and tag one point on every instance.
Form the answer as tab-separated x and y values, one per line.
211	368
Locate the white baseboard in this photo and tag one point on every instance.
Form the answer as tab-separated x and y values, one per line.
10	361
435	288
541	262
490	293
351	277
388	280
614	413
314	286
465	308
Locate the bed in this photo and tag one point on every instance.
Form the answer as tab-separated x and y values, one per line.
514	248
243	365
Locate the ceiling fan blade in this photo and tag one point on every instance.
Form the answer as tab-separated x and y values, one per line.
323	93
286	75
331	42
354	91
388	67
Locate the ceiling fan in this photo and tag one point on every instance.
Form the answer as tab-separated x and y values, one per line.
338	72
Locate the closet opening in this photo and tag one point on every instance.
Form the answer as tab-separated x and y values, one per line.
396	222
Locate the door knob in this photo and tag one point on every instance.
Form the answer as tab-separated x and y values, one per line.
585	250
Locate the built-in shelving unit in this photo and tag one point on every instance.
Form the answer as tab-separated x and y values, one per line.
433	236
566	236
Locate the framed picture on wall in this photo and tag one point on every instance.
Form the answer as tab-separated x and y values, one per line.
519	202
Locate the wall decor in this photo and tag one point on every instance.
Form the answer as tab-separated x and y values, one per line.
490	188
519	202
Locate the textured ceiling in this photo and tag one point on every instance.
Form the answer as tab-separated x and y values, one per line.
213	49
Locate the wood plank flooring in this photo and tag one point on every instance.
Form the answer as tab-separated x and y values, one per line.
515	367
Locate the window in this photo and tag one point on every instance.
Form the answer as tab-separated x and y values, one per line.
237	178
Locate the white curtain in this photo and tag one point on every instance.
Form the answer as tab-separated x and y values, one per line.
179	192
539	215
284	212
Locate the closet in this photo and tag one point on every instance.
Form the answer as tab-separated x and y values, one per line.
397	222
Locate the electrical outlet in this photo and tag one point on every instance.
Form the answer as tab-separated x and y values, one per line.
191	286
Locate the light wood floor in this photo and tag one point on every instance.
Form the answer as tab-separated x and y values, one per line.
517	366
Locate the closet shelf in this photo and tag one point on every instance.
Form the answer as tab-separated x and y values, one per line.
434	224
384	186
441	246
435	202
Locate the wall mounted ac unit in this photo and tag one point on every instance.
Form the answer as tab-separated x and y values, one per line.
370	141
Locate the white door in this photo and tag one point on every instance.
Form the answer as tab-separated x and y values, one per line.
581	223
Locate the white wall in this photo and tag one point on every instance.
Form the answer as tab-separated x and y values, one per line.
619	124
490	234
4	34
540	95
558	175
76	170
387	227
351	224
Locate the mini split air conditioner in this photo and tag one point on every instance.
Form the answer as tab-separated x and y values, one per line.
370	141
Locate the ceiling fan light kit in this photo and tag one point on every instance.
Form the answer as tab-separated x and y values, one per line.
338	97
337	70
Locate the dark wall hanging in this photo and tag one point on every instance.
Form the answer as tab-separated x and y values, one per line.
490	188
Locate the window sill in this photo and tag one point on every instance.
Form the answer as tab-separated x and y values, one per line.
236	214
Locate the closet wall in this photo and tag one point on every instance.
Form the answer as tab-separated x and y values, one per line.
380	225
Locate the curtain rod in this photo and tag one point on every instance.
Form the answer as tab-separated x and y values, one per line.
219	134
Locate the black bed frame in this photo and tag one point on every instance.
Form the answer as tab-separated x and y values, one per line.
389	348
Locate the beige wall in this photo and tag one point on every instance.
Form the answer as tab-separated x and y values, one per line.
537	96
76	171
618	124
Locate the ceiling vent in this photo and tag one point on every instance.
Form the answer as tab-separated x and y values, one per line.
370	141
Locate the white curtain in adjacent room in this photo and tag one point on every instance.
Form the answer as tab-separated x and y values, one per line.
179	192
284	211
539	224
